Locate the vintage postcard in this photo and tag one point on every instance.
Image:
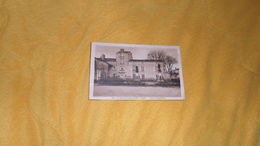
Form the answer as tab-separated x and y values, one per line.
135	72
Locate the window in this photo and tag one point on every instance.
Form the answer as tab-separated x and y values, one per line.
142	68
133	67
122	61
143	77
159	67
136	69
133	76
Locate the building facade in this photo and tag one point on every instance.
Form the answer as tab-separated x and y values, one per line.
124	66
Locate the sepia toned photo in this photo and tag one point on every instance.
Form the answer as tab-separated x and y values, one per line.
135	72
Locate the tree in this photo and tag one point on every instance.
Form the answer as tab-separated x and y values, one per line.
157	55
168	60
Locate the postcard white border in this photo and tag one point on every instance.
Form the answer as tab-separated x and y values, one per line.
91	83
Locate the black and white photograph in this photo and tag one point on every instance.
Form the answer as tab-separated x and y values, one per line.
135	72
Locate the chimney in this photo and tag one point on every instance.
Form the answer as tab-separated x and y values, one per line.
102	57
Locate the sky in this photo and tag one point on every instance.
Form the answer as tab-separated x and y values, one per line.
138	52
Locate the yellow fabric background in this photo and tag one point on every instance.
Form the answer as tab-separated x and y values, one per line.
44	72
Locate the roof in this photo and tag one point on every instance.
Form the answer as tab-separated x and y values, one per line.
99	59
110	59
133	60
144	60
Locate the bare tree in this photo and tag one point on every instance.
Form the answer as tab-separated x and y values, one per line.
157	55
169	61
